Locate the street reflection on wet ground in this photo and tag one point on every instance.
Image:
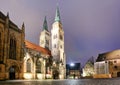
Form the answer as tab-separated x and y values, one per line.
114	81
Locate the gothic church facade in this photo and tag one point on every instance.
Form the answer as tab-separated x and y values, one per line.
43	62
11	48
21	59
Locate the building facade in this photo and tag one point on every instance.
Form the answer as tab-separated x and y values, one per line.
88	70
21	59
108	64
37	62
73	71
11	48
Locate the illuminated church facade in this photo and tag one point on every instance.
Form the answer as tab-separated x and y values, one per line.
46	61
21	59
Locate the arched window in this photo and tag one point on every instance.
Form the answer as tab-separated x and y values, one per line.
28	65
0	47
38	66
61	37
12	49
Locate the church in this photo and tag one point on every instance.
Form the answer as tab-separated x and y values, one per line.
11	48
22	59
43	62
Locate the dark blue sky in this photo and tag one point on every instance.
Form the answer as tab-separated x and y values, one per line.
91	26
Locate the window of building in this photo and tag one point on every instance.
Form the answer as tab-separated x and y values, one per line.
115	67
12	49
38	66
115	61
61	37
28	65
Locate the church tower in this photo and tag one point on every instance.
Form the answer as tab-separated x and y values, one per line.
45	36
57	48
57	35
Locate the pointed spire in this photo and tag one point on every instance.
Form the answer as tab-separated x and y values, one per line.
7	14
7	20
57	16
45	27
23	27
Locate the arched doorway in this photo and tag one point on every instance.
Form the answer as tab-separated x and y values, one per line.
118	74
12	72
55	74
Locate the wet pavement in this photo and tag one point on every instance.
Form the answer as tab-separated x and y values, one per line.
115	81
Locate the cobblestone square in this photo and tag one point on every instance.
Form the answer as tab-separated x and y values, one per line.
63	82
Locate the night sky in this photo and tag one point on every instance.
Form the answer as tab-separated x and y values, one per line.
90	26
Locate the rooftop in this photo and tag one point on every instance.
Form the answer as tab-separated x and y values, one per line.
37	48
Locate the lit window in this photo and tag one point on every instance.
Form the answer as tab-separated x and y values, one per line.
38	66
28	65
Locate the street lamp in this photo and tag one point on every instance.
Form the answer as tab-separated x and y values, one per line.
72	64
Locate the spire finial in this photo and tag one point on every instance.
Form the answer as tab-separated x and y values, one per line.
23	27
57	16
7	14
45	27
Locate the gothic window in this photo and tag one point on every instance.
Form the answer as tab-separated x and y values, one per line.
0	47
61	37
28	65
12	48
38	66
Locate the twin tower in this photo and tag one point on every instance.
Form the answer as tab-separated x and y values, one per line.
54	41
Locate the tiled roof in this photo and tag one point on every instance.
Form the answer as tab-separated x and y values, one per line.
36	48
115	54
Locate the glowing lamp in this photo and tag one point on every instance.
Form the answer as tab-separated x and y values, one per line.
72	64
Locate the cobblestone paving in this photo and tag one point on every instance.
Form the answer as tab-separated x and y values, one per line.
115	81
